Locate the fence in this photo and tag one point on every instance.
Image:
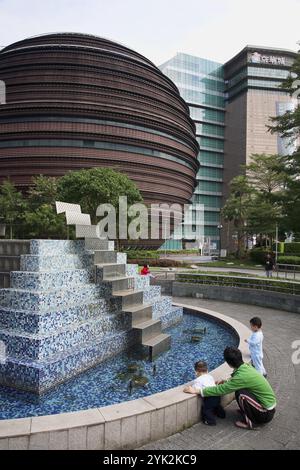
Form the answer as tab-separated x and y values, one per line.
275	285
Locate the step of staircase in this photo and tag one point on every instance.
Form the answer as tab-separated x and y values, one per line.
110	270
97	244
147	329
107	256
129	297
158	344
139	312
119	283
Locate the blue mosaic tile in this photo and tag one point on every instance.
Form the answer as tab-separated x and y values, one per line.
51	247
56	322
151	294
102	386
56	263
48	280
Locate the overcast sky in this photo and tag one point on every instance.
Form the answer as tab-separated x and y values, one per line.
213	29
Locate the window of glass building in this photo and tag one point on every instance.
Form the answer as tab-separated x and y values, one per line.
203	114
211	143
210	186
211	217
210	129
211	158
211	231
210	173
202	98
208	201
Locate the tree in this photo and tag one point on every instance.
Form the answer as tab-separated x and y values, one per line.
266	173
288	125
262	217
44	190
237	206
95	186
43	222
12	205
41	218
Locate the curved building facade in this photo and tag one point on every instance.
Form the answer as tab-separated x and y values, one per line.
79	101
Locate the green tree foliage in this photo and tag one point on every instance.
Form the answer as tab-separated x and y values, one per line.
254	205
288	125
36	213
237	206
12	206
95	186
41	220
266	173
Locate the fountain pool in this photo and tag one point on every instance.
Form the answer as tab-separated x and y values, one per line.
127	376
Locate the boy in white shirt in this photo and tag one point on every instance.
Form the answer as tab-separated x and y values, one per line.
255	343
211	406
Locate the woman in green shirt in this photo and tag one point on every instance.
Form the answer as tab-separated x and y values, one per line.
253	393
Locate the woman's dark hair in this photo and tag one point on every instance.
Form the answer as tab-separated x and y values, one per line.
233	357
256	321
145	265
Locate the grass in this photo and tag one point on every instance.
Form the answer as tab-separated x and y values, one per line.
236	263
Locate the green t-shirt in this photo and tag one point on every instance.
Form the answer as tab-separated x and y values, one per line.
245	377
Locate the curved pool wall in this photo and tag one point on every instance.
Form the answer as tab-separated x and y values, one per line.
59	318
259	297
112	381
126	425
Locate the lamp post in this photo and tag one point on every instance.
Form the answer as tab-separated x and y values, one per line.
220	226
276	244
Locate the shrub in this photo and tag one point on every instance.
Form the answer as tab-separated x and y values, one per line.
258	255
280	247
155	254
162	263
288	260
248	283
292	248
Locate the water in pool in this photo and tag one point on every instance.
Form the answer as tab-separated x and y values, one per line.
115	381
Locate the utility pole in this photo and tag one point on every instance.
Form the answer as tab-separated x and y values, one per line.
276	244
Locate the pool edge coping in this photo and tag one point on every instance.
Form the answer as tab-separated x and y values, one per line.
124	425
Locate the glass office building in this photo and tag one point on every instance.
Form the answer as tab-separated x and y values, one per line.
201	84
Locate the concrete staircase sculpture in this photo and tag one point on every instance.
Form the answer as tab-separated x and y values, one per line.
113	274
72	305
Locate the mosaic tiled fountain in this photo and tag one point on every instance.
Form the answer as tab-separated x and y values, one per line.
72	305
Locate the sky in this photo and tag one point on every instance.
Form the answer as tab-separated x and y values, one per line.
212	29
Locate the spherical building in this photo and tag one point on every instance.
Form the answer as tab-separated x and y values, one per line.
79	101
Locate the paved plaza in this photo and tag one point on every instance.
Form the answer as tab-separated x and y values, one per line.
280	330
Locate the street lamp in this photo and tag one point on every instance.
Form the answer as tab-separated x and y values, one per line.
220	226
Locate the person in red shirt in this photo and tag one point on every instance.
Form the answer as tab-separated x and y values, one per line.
145	270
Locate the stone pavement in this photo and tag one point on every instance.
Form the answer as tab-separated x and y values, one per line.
280	330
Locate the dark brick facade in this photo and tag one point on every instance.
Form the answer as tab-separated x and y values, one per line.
88	91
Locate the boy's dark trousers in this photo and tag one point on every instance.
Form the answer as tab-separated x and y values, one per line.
211	407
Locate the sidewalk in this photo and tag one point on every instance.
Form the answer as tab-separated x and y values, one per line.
280	330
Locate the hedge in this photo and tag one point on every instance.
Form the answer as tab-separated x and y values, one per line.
248	283
288	260
155	254
258	255
162	263
292	248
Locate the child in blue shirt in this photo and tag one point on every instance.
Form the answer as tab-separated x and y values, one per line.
255	343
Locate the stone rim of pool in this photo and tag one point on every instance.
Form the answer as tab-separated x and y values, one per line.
129	424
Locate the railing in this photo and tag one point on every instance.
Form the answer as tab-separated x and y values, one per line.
274	285
288	270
